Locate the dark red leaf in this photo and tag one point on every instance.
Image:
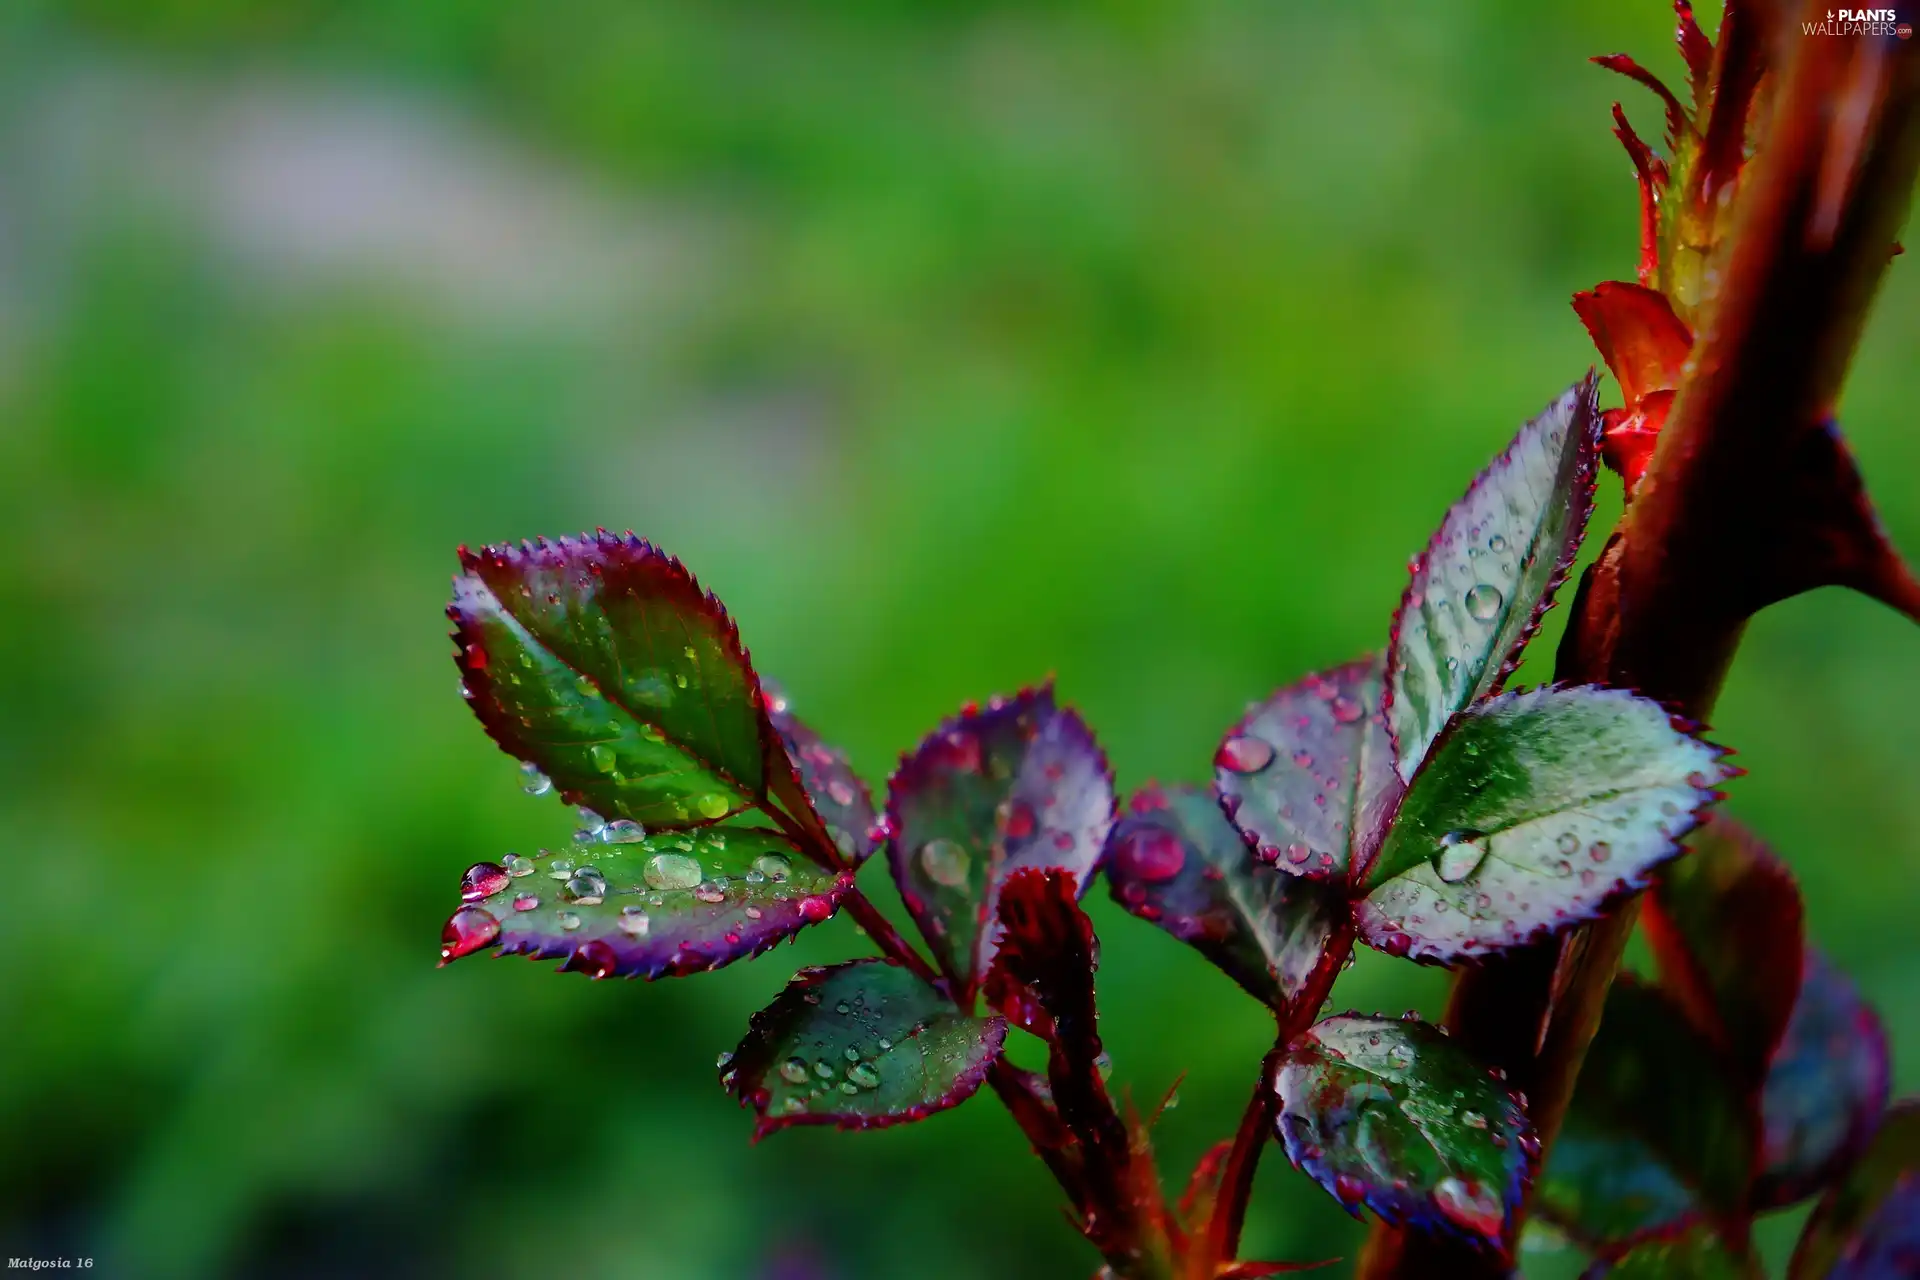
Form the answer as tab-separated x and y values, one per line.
1676	114
1636	332
839	796
1695	49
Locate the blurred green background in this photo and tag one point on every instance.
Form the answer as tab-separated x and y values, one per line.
952	343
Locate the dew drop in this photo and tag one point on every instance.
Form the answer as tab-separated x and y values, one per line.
1149	853
602	756
1600	851
594	958
794	1071
634	922
467	930
1483	601
1568	842
712	805
814	910
560	869
525	902
671	871
710	891
945	862
773	867
482	880
568	920
1470	1205
841	792
518	866
537	783
1461	854
1345	709
624	831
863	1075
1496	544
587	888
1244	755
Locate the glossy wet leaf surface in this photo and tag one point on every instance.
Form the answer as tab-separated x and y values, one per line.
1479	588
1867	1227
1392	1115
1725	924
1534	811
839	796
1826	1088
673	903
1652	1077
860	1046
1307	773
1020	783
1174	859
601	661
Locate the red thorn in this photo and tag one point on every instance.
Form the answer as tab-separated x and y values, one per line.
1676	114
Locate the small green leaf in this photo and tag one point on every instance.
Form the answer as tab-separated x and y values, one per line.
601	661
1724	923
1308	775
1480	587
1533	811
1175	860
1018	783
859	1046
1697	1254
671	904
1651	1076
1392	1114
1868	1226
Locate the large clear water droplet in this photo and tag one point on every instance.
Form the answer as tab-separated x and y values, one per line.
794	1071
671	871
1461	853
1484	601
1470	1205
1240	754
467	930
537	783
713	805
945	862
1150	854
863	1075
518	866
482	880
773	867
624	831
634	922
602	756
587	888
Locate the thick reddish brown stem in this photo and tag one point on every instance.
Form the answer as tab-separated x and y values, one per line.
1705	540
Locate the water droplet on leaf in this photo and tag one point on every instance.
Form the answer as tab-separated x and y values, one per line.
1483	601
1461	854
482	880
671	871
945	862
467	930
1244	755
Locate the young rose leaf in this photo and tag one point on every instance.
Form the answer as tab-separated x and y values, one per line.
1392	1114
601	661
1481	585
1019	784
1696	1254
1308	774
1724	924
1175	860
1651	1076
838	795
1605	1187
667	905
1042	979
1533	811
1868	1226
1826	1089
859	1046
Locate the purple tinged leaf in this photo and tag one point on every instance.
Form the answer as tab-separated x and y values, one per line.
839	796
668	905
1391	1114
1019	784
1867	1227
1308	775
1694	1254
1483	582
1533	812
1826	1089
1606	1188
1651	1076
1176	861
601	661
1724	924
860	1045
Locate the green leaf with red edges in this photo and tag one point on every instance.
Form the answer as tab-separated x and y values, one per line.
1606	1188
1696	1254
1020	783
838	795
1308	774
1868	1226
1483	582
1650	1075
671	904
601	661
1724	923
1533	812
1391	1114
859	1045
1825	1090
1174	859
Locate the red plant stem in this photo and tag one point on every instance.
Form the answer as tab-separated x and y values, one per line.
1256	1122
888	939
1664	608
